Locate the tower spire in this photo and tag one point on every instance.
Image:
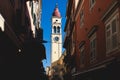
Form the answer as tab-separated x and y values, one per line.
56	5
56	11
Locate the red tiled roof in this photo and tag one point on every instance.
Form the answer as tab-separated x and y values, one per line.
56	12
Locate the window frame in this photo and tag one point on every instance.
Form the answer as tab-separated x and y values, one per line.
93	56
109	21
92	4
82	18
82	55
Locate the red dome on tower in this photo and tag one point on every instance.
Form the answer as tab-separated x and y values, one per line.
56	12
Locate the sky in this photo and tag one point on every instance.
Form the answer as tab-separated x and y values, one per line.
47	10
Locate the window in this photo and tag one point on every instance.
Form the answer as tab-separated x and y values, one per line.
54	29
108	38
81	18
12	2
93	47
58	29
34	19
92	3
112	34
31	8
82	55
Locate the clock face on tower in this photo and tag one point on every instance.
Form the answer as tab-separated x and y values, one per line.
56	38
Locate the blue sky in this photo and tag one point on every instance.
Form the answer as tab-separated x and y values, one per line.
47	10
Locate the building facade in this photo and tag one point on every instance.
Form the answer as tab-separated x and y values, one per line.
56	35
94	39
69	40
58	69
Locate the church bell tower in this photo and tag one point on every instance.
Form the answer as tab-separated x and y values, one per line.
56	36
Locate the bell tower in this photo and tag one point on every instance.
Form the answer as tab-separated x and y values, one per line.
56	35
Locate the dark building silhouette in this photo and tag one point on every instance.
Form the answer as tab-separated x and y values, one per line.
21	53
92	39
